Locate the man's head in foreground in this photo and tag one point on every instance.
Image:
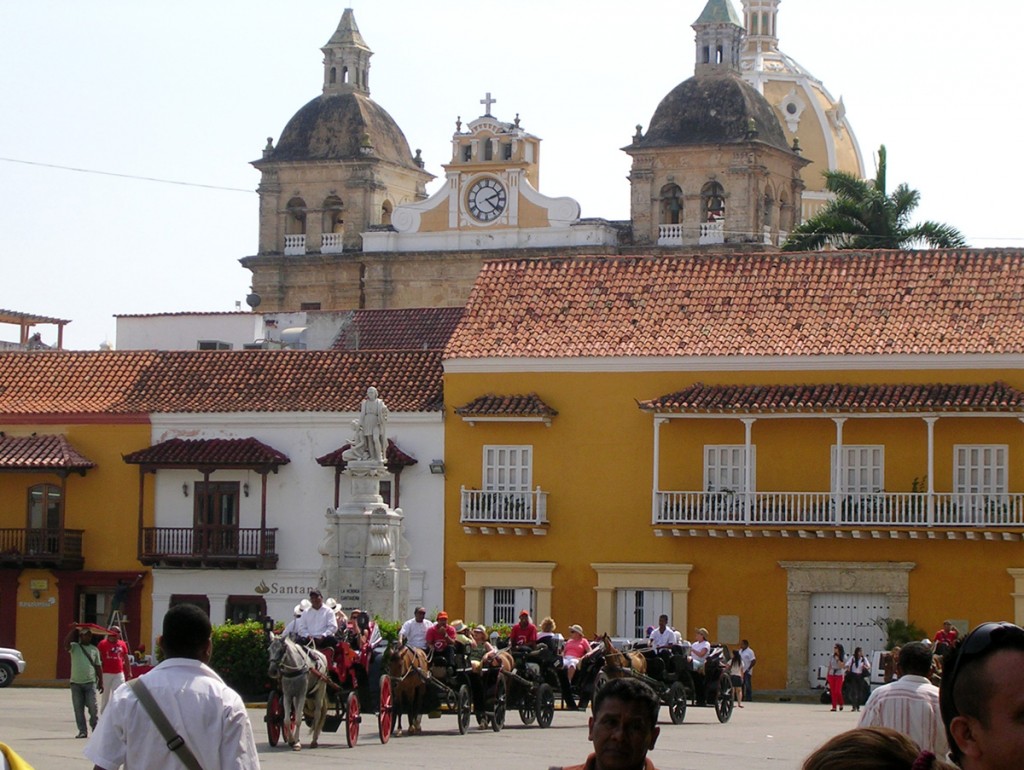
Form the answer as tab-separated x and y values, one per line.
624	726
187	633
982	698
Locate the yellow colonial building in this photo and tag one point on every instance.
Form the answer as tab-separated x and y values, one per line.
778	448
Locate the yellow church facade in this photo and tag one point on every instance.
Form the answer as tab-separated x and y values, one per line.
775	465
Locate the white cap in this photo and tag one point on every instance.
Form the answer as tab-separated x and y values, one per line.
305	604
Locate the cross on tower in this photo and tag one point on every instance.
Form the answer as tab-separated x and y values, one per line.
487	101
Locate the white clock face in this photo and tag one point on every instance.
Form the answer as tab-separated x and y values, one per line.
486	199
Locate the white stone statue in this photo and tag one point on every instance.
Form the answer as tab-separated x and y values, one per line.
370	441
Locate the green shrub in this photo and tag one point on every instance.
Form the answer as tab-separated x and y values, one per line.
899	632
240	657
389	629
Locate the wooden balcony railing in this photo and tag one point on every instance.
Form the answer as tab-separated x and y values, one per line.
200	547
504	508
903	509
50	548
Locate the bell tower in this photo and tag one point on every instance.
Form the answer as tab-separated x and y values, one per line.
719	38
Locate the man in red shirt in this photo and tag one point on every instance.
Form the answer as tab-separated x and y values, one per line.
524	633
441	639
115	664
945	638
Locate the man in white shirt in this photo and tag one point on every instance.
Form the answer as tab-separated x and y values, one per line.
318	623
749	659
414	630
201	709
910	705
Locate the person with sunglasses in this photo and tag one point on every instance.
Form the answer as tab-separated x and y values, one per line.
982	698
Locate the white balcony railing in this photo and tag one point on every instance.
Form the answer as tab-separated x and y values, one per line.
766	235
712	232
511	508
670	235
331	243
295	244
907	509
783	237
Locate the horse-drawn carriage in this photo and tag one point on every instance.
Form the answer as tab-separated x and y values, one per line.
673	677
414	685
324	688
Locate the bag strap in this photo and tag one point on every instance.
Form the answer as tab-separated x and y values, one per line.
175	742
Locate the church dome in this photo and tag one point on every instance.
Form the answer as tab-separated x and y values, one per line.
343	127
713	109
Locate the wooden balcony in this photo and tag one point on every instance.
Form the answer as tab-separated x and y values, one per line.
190	547
46	548
829	509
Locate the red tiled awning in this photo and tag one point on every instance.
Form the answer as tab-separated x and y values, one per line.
41	453
490	405
395	458
839	397
209	454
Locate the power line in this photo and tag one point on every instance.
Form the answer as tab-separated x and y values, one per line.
125	176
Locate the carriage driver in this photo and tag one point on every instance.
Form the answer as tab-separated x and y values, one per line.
441	639
663	638
318	623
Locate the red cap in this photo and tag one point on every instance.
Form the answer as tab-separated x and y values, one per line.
442	615
524	612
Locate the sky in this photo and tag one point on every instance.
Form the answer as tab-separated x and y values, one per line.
188	92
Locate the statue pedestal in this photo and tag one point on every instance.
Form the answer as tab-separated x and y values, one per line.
364	553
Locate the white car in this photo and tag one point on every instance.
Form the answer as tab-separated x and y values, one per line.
12	663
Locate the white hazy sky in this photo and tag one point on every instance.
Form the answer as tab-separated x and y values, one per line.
189	91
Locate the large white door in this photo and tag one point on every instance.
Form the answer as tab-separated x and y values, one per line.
638	608
847	619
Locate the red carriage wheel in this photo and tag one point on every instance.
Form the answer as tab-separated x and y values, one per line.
274	717
352	719
385	714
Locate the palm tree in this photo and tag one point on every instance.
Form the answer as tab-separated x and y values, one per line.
862	216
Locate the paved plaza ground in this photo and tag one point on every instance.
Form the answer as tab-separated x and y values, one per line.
39	724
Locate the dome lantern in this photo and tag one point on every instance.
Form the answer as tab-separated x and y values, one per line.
347	59
719	38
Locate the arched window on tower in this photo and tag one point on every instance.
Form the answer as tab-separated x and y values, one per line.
334	215
385	213
296	224
344	74
334	76
712	197
671	205
767	206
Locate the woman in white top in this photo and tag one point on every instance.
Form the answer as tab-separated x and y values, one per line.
700	650
858	668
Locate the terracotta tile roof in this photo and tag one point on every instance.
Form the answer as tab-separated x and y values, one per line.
394	457
216	452
141	382
529	405
834	303
19	453
840	397
399	329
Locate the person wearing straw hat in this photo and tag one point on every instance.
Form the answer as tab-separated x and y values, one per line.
576	649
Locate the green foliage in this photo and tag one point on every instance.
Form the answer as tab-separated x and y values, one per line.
503	629
899	632
388	628
864	216
240	657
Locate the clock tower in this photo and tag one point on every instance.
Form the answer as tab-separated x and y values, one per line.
491	198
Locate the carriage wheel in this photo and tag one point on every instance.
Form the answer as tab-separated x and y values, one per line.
545	705
352	719
677	703
528	711
274	717
723	703
465	709
500	696
385	717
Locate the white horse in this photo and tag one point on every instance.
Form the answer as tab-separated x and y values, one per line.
303	675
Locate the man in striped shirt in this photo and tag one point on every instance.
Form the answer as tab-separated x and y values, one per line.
910	705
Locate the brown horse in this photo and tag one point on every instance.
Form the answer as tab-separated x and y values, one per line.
409	669
617	664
